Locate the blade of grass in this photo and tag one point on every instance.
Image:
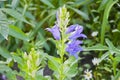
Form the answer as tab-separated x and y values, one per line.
105	18
15	14
4	53
47	2
17	33
97	47
81	13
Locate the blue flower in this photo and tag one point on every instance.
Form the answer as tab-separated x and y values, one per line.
55	32
77	32
76	35
73	47
72	28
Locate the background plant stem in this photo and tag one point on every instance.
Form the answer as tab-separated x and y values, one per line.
105	18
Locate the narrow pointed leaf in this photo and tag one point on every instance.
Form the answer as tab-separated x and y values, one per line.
4	53
15	14
47	2
98	47
17	33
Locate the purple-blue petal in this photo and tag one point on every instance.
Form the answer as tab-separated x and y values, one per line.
77	33
73	47
70	29
79	28
82	36
73	28
55	32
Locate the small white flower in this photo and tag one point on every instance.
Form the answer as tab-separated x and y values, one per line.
96	61
88	74
95	33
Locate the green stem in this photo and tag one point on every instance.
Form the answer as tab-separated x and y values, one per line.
62	57
105	18
114	64
25	8
61	74
62	52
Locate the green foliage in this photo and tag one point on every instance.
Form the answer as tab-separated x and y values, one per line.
4	53
17	33
15	14
29	63
4	30
22	27
98	47
108	7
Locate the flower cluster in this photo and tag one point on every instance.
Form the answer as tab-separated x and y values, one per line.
73	32
73	46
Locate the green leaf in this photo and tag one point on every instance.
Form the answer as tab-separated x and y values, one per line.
14	3
105	23
17	33
15	14
17	59
47	2
43	40
3	25
2	16
98	47
73	70
71	67
4	53
1	38
117	58
81	13
4	68
112	49
53	64
102	5
104	55
117	76
78	3
11	75
2	0
42	77
4	30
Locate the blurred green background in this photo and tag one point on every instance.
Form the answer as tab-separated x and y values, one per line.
23	23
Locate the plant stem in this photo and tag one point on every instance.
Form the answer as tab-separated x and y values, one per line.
62	52
62	56
105	18
24	10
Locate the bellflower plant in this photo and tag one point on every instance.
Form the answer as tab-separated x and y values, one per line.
75	32
66	40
